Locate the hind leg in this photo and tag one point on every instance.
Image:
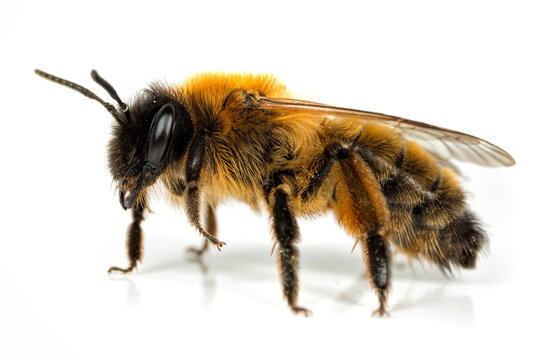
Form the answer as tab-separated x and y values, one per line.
377	262
361	209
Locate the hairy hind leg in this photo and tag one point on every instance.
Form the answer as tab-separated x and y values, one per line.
377	262
361	209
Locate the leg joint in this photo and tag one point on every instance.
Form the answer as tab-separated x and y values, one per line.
337	151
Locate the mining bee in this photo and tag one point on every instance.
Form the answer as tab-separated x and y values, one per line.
387	179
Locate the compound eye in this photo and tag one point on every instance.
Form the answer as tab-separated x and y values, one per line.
160	134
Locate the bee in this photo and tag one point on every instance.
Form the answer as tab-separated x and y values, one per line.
216	136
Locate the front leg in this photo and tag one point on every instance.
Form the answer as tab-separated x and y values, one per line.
134	241
194	164
210	226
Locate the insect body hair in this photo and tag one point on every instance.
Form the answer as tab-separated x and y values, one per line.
218	136
429	215
429	218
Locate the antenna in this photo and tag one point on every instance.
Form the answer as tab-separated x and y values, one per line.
110	90
86	92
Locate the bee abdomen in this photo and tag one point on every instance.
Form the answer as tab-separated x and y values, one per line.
428	213
443	202
439	228
437	207
412	177
429	217
460	241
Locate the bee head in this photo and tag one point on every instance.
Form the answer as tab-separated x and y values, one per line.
153	133
148	136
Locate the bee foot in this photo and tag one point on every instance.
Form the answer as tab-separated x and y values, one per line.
301	310
381	312
114	269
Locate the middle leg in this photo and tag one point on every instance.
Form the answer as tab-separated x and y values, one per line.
286	232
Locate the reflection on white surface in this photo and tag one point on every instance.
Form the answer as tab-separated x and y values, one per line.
329	277
132	292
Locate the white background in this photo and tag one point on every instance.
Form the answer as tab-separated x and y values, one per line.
472	66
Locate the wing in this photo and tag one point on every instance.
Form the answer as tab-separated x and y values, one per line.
443	143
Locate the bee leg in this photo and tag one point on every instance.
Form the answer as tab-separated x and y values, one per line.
331	154
134	241
194	163
286	233
377	259
210	226
362	210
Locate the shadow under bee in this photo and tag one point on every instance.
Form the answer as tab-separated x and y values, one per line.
325	271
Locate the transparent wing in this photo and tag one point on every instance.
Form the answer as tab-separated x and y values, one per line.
443	143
